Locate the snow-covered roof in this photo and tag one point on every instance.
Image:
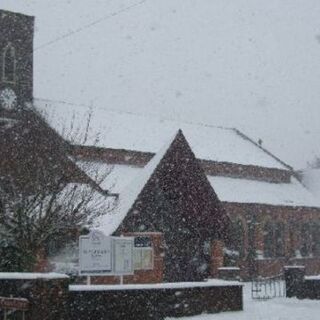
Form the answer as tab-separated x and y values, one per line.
109	223
142	133
251	191
117	177
232	189
128	181
311	178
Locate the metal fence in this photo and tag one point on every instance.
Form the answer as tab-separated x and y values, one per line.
268	288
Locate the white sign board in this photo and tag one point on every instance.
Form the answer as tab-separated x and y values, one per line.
102	255
123	255
95	256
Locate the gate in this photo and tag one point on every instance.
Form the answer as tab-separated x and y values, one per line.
268	288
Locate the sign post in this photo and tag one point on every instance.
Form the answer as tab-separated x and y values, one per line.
100	255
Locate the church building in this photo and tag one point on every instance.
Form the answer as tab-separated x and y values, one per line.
209	198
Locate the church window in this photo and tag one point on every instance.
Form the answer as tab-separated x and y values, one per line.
236	237
310	239
273	240
235	246
9	64
279	239
306	240
268	240
316	239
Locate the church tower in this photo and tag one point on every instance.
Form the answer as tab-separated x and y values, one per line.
16	60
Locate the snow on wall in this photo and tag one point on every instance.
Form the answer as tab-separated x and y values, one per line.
168	285
31	275
143	133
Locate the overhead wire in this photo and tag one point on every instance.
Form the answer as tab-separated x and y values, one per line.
91	107
89	25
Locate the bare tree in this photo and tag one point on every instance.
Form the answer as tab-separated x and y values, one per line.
33	220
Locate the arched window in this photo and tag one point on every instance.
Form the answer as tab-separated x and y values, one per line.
310	239
273	240
236	237
316	239
306	240
293	235
9	64
235	246
268	240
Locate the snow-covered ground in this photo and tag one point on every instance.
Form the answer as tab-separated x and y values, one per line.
273	309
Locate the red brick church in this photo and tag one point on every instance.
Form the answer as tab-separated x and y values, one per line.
268	210
208	198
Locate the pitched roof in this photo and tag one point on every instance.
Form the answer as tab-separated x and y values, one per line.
142	133
292	194
174	173
109	223
230	189
311	178
33	154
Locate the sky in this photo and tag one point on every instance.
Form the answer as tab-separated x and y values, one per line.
241	63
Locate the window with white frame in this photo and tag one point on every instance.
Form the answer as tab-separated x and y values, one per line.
143	253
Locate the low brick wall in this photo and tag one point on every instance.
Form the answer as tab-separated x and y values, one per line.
229	273
53	298
310	289
47	295
152	303
301	286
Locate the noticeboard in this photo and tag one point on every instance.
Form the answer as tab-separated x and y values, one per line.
102	255
95	254
123	255
14	303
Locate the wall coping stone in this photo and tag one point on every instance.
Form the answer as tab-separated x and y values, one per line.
160	286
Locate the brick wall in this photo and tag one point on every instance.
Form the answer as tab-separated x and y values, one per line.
214	168
154	303
259	215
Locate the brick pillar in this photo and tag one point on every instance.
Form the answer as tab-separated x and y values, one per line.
216	257
42	264
294	277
